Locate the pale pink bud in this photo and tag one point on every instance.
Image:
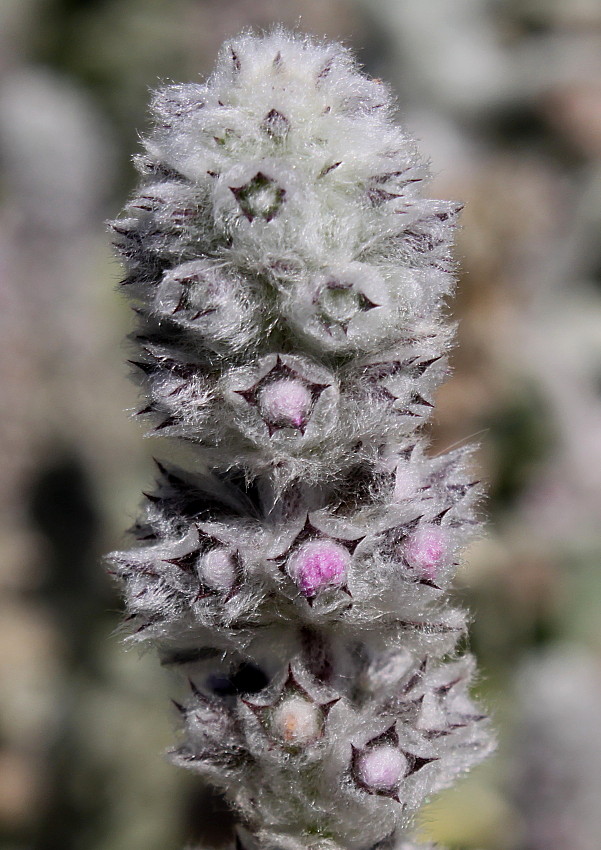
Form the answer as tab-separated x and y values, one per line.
319	564
286	402
218	569
296	721
426	549
382	768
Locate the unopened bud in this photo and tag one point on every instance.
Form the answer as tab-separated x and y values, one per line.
286	402
217	569
426	549
296	721
382	768
319	564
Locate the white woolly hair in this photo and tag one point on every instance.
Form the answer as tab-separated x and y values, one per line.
289	281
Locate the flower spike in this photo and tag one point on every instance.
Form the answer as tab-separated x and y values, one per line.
289	280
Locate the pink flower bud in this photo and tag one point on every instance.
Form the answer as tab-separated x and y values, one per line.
217	569
426	549
286	402
319	564
382	768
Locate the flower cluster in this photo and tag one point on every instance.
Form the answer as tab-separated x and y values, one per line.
289	282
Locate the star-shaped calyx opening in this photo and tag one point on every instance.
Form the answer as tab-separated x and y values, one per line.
425	551
393	545
260	198
338	301
216	564
380	766
294	717
199	289
443	706
317	562
422	547
284	398
395	381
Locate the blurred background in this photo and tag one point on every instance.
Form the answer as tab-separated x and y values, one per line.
505	98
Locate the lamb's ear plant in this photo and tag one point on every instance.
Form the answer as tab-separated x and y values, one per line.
289	281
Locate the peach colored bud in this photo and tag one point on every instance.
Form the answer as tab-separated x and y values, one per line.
296	721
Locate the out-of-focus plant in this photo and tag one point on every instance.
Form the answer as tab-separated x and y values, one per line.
558	771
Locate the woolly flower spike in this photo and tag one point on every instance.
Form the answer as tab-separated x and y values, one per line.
289	283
